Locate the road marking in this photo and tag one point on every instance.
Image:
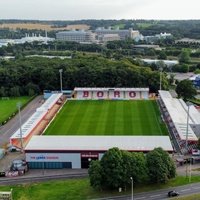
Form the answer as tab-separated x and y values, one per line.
140	198
157	195
185	190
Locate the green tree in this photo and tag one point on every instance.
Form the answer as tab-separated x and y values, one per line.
138	168
185	68
185	89
160	167
2	92
32	89
15	91
184	56
112	169
95	174
162	55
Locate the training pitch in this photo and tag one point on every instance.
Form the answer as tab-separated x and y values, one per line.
9	106
107	117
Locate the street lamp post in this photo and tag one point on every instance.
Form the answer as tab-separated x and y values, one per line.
60	71
20	124
131	188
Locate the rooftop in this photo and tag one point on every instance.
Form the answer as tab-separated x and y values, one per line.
177	110
32	122
98	143
114	89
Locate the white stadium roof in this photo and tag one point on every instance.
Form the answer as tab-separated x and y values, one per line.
29	125
51	101
98	143
114	89
177	110
32	122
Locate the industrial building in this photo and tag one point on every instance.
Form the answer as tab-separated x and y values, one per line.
111	93
76	36
123	34
28	38
50	152
108	37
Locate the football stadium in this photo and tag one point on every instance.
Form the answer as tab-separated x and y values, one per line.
70	132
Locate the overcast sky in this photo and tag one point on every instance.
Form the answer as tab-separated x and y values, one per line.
99	9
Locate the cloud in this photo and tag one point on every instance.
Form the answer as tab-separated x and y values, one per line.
99	9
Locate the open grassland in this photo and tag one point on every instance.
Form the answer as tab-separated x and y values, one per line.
80	189
8	107
38	26
107	117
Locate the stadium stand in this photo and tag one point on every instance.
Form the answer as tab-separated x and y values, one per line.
175	113
111	93
30	125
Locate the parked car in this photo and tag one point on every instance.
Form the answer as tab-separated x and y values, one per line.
19	165
13	149
173	193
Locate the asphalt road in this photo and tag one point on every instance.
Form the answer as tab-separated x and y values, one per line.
11	126
160	194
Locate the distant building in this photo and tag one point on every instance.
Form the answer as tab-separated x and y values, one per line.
188	41
108	37
76	36
154	38
33	38
27	38
123	34
168	63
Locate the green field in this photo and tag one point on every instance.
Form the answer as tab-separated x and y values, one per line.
106	117
8	107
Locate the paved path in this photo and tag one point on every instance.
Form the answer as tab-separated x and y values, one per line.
9	128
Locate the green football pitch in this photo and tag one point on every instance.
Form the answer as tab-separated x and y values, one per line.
107	117
9	106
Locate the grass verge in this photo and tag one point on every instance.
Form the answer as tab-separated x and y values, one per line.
79	189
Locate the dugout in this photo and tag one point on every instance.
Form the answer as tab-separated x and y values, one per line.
56	152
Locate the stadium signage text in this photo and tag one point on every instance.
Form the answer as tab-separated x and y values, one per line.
116	94
89	155
42	157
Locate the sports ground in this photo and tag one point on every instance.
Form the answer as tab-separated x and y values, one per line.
9	106
108	117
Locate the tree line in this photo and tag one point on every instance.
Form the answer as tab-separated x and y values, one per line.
116	167
28	76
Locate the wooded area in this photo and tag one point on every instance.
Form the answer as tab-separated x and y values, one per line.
28	76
